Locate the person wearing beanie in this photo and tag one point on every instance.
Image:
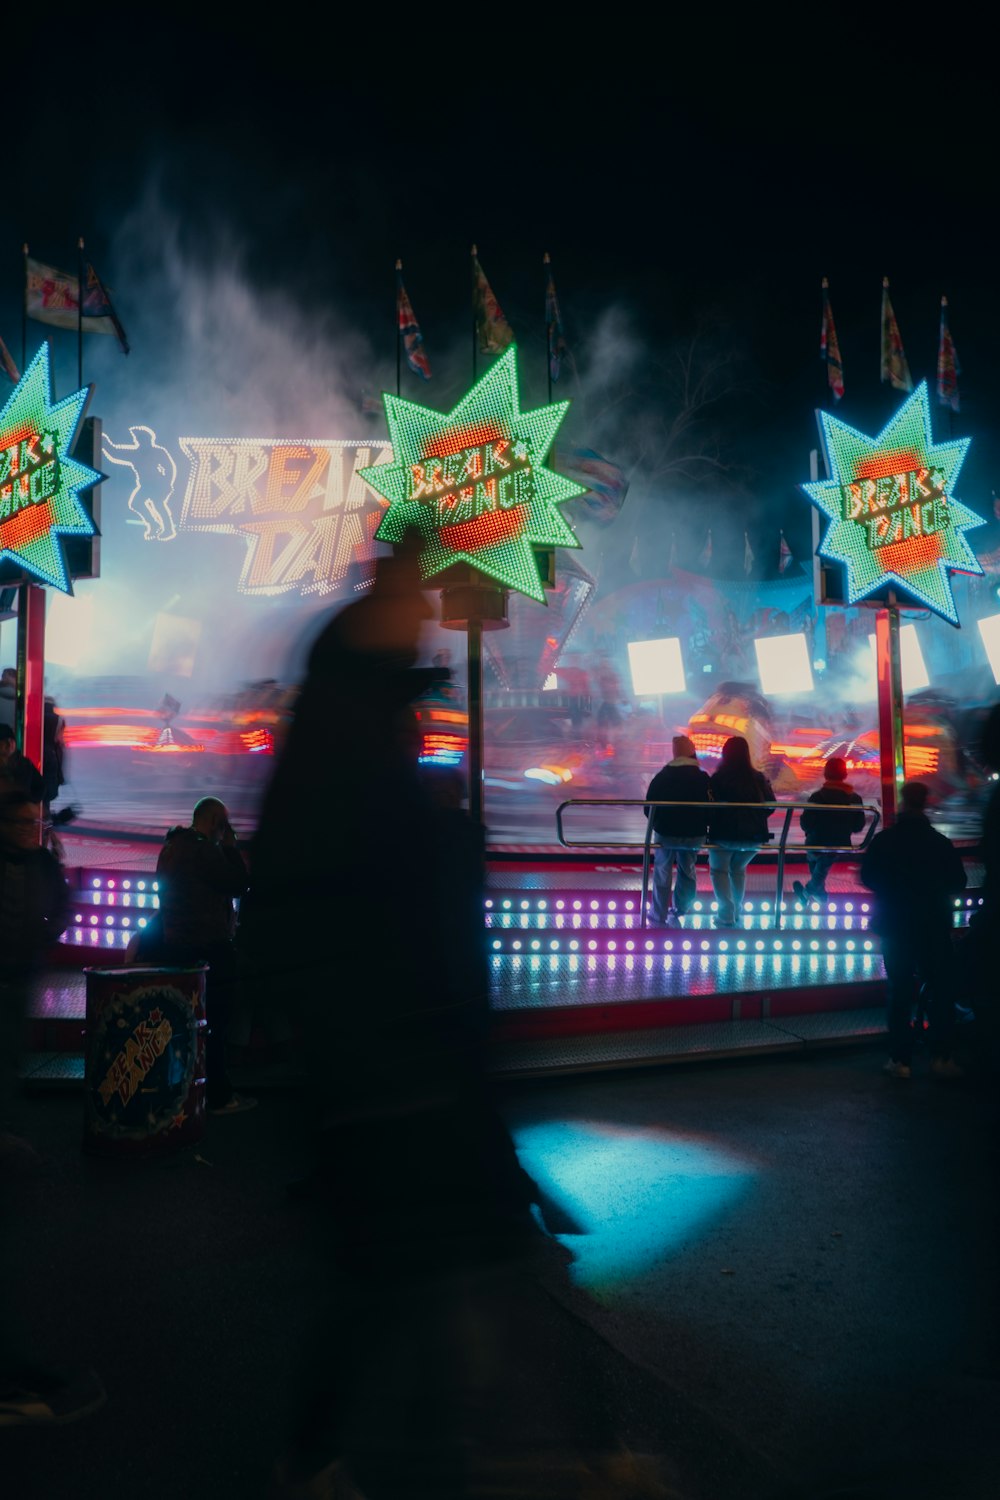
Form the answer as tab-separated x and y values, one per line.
679	831
827	827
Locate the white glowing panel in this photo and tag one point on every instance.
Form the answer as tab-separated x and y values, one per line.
989	629
656	667
912	665
551	683
783	664
68	622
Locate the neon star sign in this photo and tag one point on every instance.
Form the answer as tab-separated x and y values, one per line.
894	518
474	483
39	482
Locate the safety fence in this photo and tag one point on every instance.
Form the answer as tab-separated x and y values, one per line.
781	844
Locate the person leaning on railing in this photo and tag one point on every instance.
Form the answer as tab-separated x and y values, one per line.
680	831
736	832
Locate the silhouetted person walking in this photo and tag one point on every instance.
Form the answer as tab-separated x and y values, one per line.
914	873
34	902
419	1194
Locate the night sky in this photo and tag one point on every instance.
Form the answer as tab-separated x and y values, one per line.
685	188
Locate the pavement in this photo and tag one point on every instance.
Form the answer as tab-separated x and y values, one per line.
783	1286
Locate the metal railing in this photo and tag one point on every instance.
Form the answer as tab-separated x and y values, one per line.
781	845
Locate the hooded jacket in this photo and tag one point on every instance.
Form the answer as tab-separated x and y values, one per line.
680	780
199	881
914	873
34	905
8	704
832	828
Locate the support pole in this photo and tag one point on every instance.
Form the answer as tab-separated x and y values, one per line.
474	694
890	710
31	671
471	603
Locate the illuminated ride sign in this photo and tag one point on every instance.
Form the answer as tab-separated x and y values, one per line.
39	481
894	518
305	514
473	481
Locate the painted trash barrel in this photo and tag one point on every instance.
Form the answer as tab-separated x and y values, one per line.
144	1073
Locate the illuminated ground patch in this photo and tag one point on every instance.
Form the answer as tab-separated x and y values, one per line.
638	1195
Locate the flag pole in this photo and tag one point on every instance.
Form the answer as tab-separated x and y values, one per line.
944	317
79	314
475	253
24	314
546	261
399	272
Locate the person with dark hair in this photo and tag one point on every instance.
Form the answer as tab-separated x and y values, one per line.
53	753
914	873
680	831
202	873
737	833
828	827
8	696
17	772
34	902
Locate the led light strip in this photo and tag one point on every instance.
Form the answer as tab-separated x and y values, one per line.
716	944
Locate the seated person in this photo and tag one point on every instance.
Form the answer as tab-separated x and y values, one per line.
827	826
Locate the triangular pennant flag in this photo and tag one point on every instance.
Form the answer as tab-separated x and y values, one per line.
7	364
784	554
747	554
895	370
492	329
553	323
829	348
948	368
409	330
706	552
97	304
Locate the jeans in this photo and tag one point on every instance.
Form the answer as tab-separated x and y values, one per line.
912	958
683	853
819	868
728	865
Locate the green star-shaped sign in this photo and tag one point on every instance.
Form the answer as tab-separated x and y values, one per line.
39	482
893	514
473	481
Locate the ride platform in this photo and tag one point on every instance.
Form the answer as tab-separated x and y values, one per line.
578	980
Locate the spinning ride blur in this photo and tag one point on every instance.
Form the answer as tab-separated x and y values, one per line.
417	1187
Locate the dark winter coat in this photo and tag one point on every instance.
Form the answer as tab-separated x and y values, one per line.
22	775
914	873
34	905
680	780
832	828
739	825
198	883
